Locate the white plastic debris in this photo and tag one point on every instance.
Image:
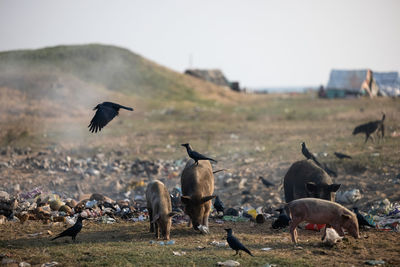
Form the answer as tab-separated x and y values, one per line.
204	229
229	263
49	264
266	249
91	204
348	197
219	244
331	237
179	253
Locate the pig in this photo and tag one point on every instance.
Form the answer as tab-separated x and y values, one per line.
197	183
305	179
321	211
160	209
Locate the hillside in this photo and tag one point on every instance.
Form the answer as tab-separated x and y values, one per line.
83	67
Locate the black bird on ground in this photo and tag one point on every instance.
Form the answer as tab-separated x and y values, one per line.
265	181
282	221
196	155
370	127
235	244
342	156
218	205
72	231
106	111
308	154
361	219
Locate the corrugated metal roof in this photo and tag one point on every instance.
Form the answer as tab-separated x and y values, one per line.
346	79
386	78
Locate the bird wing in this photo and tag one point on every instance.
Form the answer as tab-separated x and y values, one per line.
104	115
197	155
237	245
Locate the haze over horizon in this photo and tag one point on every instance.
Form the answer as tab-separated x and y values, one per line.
264	44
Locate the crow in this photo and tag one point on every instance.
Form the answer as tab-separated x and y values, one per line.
282	221
370	127
73	230
218	205
106	111
196	155
308	154
265	182
235	244
361	220
342	156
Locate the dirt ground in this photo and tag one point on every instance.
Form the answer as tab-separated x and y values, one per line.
254	137
19	242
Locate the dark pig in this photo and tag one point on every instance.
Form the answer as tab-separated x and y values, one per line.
305	179
197	183
320	211
160	209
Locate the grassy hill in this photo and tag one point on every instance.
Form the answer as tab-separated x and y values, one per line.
38	72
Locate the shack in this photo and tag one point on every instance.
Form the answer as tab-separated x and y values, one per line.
355	83
215	76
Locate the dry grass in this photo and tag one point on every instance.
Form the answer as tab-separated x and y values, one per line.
127	244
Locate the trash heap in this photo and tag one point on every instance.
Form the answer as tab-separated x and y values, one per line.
49	207
385	215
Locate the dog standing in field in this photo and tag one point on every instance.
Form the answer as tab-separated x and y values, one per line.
370	127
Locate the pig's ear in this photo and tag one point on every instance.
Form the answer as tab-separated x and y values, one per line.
155	218
334	187
311	187
186	199
172	214
207	198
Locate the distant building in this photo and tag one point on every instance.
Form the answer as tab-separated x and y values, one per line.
353	83
215	76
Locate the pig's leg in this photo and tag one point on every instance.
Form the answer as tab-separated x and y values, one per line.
189	222
157	230
293	232
151	218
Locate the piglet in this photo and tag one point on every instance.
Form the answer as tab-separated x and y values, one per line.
160	209
319	211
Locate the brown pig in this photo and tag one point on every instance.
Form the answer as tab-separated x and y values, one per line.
320	211
160	209
197	183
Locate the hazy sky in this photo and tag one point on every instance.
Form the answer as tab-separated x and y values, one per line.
259	43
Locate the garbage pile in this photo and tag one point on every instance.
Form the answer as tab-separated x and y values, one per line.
385	215
49	207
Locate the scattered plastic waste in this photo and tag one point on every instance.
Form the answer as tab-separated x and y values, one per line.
91	203
179	253
315	227
170	242
219	243
24	264
331	237
235	218
266	249
204	229
348	197
49	264
374	262
228	263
